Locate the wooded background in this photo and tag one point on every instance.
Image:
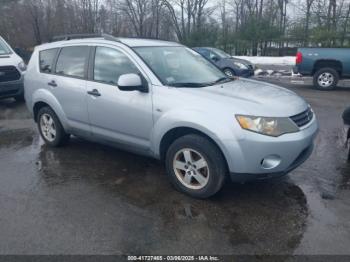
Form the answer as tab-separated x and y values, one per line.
241	27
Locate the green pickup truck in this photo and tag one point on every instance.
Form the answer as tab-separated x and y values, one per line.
326	65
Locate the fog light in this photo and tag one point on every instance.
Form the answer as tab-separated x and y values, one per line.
270	162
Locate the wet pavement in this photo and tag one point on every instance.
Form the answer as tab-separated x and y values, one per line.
86	198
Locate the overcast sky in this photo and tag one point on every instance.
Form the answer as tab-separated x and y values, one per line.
295	8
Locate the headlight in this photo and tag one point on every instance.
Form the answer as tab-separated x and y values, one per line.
240	65
270	126
22	66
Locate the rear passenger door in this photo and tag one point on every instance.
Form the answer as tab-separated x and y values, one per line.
68	84
124	117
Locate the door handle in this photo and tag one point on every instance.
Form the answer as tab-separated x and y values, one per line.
94	92
52	83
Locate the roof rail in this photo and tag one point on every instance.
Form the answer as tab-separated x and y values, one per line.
82	36
110	38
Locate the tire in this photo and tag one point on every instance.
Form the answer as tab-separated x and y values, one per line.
329	81
19	98
229	72
60	137
212	176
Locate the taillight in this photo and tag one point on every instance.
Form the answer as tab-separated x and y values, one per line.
299	58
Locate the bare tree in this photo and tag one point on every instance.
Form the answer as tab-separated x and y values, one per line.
34	8
307	20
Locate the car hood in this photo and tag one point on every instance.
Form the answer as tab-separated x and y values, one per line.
233	59
10	60
245	96
245	62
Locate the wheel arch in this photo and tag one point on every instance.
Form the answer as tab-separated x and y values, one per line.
43	98
171	135
36	108
330	63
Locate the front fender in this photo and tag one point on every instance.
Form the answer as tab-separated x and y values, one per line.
42	95
216	127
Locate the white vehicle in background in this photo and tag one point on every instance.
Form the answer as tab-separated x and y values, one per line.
12	70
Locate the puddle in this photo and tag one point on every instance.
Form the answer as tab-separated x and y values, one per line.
104	200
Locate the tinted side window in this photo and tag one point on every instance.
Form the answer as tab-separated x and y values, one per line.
205	53
212	55
72	61
46	59
110	64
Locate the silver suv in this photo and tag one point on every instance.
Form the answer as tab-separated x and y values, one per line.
164	100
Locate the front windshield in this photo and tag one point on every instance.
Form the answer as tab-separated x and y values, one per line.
220	53
180	66
4	50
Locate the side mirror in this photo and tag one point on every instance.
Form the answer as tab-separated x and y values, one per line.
215	58
132	82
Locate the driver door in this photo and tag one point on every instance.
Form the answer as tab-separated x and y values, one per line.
124	117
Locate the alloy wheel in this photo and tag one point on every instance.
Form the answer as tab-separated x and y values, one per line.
48	127
191	168
229	73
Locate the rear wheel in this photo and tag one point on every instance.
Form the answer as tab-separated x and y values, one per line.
50	128
326	79
195	166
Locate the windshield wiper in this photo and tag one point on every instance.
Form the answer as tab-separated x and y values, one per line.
223	80
189	84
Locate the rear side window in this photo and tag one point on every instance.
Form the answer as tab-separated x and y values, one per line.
204	52
46	60
212	55
72	61
110	64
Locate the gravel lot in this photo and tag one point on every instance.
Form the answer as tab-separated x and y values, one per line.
87	198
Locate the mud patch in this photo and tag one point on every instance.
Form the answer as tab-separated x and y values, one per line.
16	138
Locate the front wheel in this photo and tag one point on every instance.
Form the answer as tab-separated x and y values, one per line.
229	72
326	79
50	127
195	166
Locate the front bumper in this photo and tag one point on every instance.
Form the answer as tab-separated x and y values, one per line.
246	157
245	72
304	155
11	89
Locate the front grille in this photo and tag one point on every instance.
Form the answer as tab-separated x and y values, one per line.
8	93
303	118
9	73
